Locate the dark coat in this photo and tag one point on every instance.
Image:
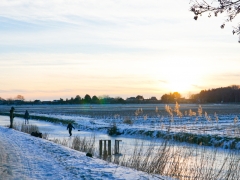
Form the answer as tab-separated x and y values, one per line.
70	126
11	113
26	115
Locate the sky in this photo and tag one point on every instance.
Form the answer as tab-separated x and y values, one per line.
52	49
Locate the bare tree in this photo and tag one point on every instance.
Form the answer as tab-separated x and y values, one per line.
235	87
230	7
20	97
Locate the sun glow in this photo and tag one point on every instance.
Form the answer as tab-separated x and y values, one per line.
180	76
178	85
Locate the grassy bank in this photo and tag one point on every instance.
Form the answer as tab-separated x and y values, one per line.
200	139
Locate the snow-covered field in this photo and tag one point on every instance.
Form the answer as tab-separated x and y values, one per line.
25	157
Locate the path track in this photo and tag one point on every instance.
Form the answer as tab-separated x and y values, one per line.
14	165
18	161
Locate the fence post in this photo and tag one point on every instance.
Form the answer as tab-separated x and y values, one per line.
116	147
100	147
105	148
109	147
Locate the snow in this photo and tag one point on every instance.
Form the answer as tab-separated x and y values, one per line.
26	157
46	160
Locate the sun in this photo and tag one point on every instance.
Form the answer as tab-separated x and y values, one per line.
182	81
178	75
180	85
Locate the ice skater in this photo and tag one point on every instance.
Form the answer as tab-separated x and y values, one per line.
69	128
26	117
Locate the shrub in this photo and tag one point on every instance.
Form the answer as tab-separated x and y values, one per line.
113	130
84	144
127	120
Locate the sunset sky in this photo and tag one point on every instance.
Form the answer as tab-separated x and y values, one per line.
58	48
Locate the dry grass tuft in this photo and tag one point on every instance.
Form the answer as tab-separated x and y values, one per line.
127	120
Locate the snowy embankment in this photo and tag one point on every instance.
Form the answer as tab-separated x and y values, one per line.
25	157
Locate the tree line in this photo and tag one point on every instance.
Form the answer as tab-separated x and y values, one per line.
87	99
230	94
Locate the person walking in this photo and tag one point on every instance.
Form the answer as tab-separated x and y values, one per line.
26	117
11	117
69	128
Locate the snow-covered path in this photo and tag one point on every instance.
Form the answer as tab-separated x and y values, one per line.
13	163
25	157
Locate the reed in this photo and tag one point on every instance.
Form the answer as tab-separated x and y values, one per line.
25	128
127	120
192	163
80	144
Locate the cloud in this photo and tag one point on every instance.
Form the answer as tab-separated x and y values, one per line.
108	10
90	27
198	87
163	81
231	75
35	91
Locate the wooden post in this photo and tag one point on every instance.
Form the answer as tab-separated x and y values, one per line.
100	147
116	147
109	147
105	148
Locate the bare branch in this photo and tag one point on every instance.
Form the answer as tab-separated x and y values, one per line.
230	7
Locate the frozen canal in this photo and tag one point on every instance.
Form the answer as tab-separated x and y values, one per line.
56	131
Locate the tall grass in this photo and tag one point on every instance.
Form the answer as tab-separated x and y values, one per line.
192	163
80	144
25	128
63	142
84	144
22	127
